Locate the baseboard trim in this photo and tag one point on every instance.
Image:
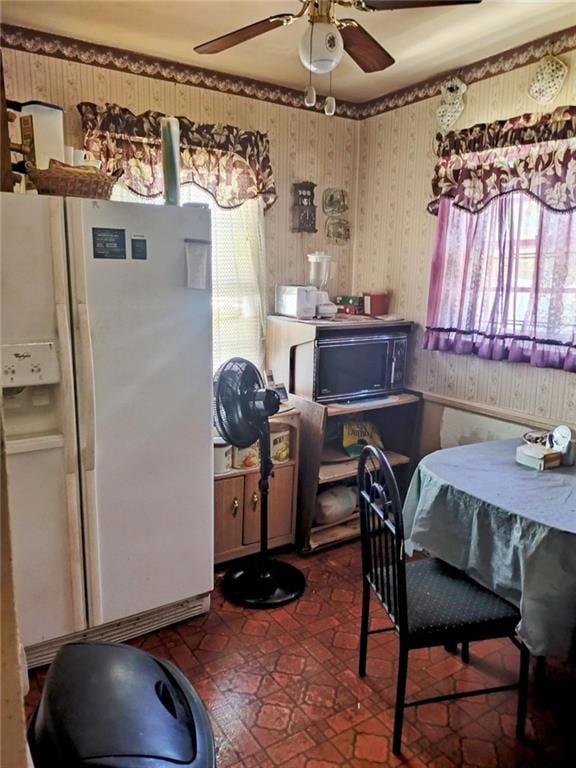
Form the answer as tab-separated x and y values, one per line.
124	629
492	411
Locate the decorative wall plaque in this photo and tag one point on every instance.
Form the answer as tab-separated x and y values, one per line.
337	230
548	80
451	103
303	207
334	201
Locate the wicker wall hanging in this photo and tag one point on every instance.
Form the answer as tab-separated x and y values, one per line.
548	80
451	103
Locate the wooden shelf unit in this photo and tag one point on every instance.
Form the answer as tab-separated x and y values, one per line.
327	535
397	419
237	502
344	470
392	401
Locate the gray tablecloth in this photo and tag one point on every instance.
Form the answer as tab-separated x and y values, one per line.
511	528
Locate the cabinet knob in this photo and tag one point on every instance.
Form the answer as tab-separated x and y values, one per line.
235	506
255	500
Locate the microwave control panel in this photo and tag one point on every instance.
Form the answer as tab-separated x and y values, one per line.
398	365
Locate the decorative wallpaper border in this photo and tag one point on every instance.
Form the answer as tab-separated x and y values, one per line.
500	63
47	44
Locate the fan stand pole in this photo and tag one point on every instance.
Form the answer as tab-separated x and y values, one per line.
266	468
261	582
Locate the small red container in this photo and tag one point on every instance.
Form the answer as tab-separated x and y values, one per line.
376	303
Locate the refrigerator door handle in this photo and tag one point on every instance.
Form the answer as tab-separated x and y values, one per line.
86	400
71	476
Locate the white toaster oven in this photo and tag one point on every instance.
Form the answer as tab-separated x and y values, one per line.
296	301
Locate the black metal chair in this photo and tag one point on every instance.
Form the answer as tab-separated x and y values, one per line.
428	602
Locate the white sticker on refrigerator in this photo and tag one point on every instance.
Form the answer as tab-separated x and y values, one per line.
139	247
108	243
197	255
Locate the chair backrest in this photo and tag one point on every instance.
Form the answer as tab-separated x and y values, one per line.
382	533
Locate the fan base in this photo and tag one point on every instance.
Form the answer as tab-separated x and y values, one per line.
263	584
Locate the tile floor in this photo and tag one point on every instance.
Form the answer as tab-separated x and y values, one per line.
282	690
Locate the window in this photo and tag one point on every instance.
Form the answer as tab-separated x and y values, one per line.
504	282
237	272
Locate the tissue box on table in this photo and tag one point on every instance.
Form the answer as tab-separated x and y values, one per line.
538	457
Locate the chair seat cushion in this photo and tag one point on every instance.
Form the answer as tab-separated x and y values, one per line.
445	603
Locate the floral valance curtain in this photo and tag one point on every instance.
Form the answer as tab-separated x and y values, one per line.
531	153
231	164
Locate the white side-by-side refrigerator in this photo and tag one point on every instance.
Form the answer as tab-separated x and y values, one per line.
106	373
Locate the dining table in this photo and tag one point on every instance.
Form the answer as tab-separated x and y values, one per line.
507	526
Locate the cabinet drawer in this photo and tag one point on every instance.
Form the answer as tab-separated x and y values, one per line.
228	514
279	505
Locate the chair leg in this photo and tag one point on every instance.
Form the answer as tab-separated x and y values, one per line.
540	686
466	652
400	696
364	626
522	691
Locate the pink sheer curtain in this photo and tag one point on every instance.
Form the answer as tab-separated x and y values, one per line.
503	283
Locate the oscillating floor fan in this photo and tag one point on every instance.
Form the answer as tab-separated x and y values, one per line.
242	406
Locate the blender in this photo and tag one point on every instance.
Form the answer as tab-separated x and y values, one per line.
319	274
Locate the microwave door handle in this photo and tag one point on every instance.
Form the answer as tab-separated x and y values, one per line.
352	342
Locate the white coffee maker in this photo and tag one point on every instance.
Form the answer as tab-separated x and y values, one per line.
318	276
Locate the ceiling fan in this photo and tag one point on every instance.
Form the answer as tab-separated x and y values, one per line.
327	37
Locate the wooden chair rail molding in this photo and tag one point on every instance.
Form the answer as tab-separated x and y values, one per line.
492	411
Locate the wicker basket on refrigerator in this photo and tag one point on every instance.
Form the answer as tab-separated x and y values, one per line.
72	181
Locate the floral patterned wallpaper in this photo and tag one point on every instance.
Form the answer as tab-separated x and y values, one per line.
385	163
394	238
304	145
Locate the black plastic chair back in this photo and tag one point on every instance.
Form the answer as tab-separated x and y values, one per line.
382	534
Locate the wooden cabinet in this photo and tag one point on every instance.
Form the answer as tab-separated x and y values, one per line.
237	502
397	419
279	505
251	521
228	512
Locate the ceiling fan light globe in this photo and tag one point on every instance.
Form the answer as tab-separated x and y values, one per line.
321	48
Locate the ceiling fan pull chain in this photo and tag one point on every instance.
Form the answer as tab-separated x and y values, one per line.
330	102
310	92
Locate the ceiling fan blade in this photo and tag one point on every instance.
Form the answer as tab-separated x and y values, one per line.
224	42
363	48
398	5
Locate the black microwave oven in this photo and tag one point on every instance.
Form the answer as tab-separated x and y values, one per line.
360	365
342	360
